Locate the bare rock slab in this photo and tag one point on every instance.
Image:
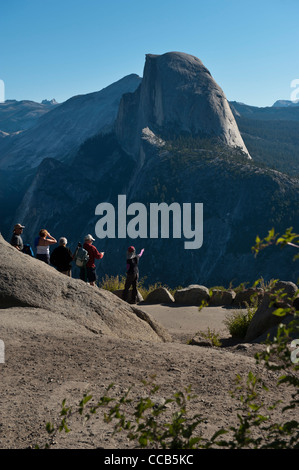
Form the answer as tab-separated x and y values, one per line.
28	282
161	295
192	295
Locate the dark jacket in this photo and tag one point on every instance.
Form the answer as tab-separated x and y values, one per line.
132	265
61	258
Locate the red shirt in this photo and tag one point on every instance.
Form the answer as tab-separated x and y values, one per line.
93	254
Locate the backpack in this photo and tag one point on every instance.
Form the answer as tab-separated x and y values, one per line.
81	257
28	250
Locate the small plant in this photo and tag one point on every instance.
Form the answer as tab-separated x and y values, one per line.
142	423
241	287
221	288
212	336
151	424
288	238
237	323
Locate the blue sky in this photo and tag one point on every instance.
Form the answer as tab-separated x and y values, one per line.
58	49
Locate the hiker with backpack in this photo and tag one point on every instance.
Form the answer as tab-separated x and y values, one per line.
62	257
85	258
43	246
132	274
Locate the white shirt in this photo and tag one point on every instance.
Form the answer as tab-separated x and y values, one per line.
42	250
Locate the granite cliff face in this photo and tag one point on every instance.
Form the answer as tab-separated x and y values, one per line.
177	95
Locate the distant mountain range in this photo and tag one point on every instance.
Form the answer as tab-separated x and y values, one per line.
285	103
170	136
271	135
60	130
17	116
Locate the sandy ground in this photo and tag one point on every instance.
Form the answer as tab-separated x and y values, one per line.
49	358
182	322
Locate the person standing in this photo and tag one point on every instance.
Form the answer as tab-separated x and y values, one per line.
88	273
62	258
43	246
16	239
132	274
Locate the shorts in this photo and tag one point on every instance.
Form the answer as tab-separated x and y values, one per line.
88	274
43	257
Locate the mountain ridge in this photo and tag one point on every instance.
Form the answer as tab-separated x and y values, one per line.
271	135
18	116
60	131
285	103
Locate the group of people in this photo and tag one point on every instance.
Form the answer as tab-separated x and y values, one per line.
62	258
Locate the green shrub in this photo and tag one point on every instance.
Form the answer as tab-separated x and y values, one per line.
212	336
112	283
240	288
238	321
221	288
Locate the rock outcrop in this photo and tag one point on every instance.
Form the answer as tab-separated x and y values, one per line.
192	295
177	95
264	321
30	283
248	297
160	295
222	297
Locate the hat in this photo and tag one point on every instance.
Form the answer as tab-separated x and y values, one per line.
131	252
19	226
89	237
